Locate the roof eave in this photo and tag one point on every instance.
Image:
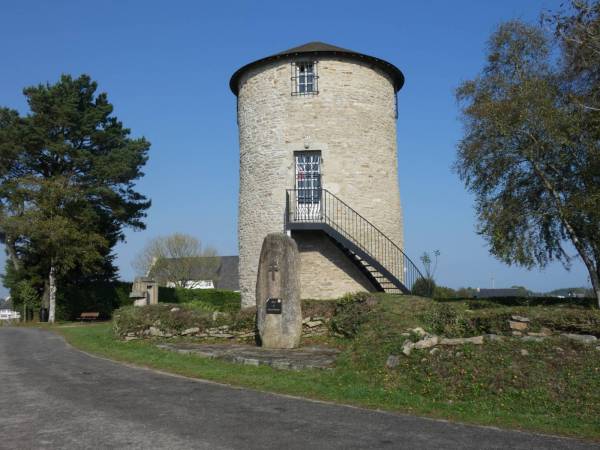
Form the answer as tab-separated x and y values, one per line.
396	74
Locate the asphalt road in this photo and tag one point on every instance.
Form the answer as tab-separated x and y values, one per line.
53	396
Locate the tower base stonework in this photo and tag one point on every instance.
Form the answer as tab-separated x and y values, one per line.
279	312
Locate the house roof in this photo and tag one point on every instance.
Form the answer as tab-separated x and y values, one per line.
223	270
320	49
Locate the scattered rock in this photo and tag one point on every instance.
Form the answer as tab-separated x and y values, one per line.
408	347
427	342
544	332
493	337
405	334
517	333
221	335
520	319
392	361
217	314
189	331
583	338
524	352
153	331
175	309
247	335
458	354
224	327
313	323
559	349
519	326
533	338
306	320
419	331
131	338
477	340
434	351
598	348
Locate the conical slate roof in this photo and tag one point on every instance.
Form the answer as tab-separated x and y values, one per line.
320	49
315	46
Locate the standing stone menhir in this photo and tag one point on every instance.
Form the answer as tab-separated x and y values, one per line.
279	314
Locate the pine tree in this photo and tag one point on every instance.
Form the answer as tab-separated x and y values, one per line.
67	174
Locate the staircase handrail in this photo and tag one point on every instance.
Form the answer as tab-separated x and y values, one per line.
324	217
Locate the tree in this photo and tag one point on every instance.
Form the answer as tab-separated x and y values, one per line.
425	287
530	152
67	173
26	298
176	259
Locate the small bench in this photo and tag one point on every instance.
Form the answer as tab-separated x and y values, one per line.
89	316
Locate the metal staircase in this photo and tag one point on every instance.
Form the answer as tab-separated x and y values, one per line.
371	251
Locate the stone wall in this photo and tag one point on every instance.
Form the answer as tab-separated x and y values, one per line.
351	122
326	271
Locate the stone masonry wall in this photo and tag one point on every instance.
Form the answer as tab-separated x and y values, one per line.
326	271
351	122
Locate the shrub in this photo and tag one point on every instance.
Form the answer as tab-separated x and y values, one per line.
444	292
424	287
222	300
178	317
496	302
319	308
136	319
244	319
443	319
100	296
351	311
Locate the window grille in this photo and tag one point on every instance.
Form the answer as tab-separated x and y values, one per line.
308	177
304	78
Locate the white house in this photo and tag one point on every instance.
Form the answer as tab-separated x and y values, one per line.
9	314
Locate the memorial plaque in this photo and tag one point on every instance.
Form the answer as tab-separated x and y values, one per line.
274	306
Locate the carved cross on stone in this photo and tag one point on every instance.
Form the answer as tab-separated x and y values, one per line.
278	308
273	267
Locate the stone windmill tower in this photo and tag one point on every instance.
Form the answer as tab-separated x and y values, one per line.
318	159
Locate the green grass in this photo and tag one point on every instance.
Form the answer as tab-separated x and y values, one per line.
548	390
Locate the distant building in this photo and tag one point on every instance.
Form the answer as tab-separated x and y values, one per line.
9	314
205	272
491	293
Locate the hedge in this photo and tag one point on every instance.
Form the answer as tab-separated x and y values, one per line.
218	299
103	297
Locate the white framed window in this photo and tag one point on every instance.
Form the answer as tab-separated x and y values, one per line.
308	177
304	78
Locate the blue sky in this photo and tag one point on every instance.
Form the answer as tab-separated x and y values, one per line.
166	68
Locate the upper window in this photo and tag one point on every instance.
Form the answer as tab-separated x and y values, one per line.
304	78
